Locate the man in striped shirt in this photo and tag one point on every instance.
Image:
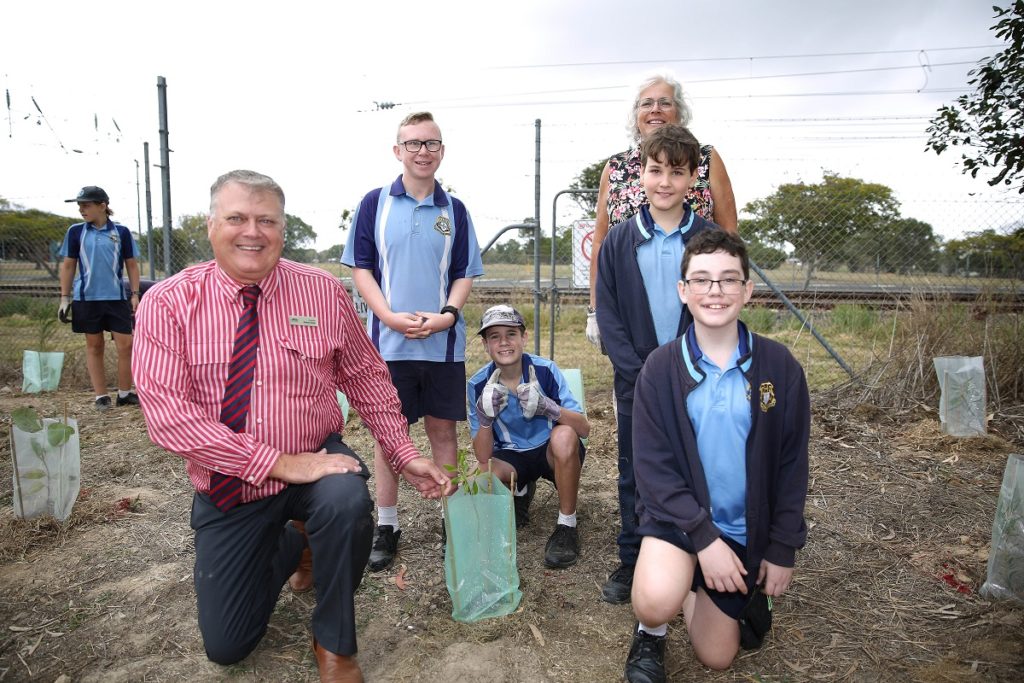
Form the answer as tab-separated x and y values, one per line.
288	460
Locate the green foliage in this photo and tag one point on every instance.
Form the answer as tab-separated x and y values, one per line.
33	235
853	319
298	234
30	307
987	253
588	179
27	420
988	123
758	319
463	474
840	221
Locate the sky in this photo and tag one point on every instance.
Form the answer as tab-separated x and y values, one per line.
785	91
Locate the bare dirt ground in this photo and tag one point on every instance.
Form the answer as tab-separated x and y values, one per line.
887	589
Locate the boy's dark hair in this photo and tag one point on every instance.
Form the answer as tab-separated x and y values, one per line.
710	241
673	142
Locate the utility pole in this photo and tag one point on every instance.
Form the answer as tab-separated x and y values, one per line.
138	202
149	213
165	170
536	244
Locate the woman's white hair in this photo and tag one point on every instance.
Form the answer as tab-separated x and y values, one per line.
678	98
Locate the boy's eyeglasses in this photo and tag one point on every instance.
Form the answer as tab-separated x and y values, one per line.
648	104
416	145
702	285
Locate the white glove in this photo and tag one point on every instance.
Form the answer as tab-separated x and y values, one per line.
65	306
533	401
593	334
492	400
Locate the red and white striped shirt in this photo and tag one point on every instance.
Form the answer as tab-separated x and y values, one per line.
312	343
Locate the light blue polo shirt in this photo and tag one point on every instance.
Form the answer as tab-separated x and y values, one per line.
659	259
416	250
512	431
719	410
99	253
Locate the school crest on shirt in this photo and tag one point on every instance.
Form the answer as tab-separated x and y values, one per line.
767	393
443	225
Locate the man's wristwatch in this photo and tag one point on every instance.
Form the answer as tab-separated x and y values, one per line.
454	311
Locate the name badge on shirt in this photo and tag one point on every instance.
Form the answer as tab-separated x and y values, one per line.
302	321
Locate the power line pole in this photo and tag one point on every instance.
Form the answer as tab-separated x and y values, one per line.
165	170
149	213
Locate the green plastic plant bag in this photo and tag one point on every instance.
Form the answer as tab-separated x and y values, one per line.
1005	577
962	395
41	370
47	465
480	557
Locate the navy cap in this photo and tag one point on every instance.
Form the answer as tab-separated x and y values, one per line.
502	315
91	193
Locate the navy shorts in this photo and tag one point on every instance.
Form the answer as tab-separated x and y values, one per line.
533	464
431	388
95	317
731	604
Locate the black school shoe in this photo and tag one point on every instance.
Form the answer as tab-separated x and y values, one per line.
521	505
755	620
385	546
132	399
619	586
646	660
563	548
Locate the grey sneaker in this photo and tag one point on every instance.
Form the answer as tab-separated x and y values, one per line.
646	660
563	548
132	399
103	404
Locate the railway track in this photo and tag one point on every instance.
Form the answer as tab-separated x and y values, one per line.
822	297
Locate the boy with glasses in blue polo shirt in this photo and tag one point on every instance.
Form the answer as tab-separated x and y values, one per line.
414	254
721	422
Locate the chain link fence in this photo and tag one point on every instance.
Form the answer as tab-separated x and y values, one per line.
838	243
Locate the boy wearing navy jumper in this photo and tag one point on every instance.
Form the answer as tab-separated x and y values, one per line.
722	421
637	305
524	419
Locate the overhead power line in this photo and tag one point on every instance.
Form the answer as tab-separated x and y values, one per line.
805	55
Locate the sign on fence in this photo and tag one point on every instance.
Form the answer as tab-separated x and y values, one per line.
582	242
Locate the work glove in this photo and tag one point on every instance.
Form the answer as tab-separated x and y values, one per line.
533	401
593	334
492	400
64	312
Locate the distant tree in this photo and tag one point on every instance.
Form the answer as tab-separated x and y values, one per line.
819	220
297	235
988	124
193	238
766	256
331	254
988	253
32	235
346	221
588	179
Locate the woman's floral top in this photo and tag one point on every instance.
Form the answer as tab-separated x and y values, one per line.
626	192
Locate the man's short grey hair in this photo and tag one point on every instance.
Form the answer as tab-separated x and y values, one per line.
678	97
256	182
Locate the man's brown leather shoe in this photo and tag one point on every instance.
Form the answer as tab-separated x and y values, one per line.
302	580
336	668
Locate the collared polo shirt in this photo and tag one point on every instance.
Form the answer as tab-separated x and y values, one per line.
416	250
659	259
719	410
99	254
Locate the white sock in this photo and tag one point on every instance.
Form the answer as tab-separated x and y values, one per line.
388	516
567	520
522	492
102	396
123	393
653	630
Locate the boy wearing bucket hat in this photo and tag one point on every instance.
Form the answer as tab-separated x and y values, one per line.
524	420
96	254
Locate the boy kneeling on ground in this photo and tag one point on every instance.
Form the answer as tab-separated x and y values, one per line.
721	421
524	420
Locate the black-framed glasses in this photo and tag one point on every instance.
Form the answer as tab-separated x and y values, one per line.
416	145
728	285
647	104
